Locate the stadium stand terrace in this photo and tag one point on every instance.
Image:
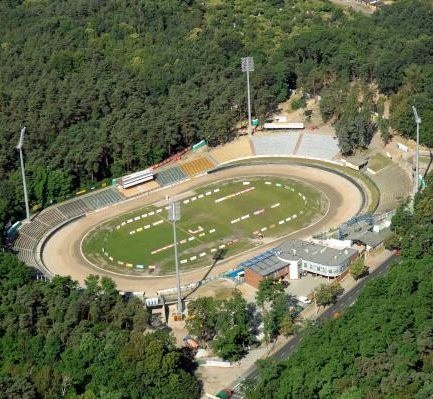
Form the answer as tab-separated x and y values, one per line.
74	208
51	217
394	185
318	146
301	144
282	144
31	233
197	166
170	176
103	198
28	257
25	242
35	229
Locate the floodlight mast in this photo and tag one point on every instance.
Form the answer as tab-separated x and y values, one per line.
247	65
23	173
418	122
173	216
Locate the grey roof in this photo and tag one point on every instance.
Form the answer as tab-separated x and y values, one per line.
268	265
294	250
357	160
371	238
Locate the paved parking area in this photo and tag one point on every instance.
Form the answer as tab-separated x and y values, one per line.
304	285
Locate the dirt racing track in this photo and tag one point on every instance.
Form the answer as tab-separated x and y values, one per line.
61	251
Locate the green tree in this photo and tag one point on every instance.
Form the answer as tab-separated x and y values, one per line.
62	341
234	331
275	304
328	293
358	269
202	318
354	128
268	290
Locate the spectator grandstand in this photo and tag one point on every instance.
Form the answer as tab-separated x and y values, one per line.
318	146
28	257
25	242
305	144
31	233
74	208
170	176
197	166
394	185
35	229
51	217
283	144
100	199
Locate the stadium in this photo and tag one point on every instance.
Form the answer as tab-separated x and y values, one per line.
104	232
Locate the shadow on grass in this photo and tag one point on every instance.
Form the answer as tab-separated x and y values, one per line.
219	255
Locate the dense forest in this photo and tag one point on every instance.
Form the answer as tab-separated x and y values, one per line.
382	347
106	87
61	341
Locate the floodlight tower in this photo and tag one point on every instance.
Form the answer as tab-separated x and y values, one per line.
418	122
23	173
247	64
174	216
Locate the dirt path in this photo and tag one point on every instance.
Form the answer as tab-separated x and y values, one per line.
62	254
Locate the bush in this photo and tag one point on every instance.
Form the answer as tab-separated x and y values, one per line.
299	103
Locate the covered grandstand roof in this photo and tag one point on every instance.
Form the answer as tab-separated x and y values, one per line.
371	238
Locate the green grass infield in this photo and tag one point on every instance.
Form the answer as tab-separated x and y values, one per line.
223	218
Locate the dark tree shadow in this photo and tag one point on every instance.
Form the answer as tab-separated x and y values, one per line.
427	170
219	255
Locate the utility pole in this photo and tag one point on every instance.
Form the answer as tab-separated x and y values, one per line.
23	173
247	64
418	122
174	216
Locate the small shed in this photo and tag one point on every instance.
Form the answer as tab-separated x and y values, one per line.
356	163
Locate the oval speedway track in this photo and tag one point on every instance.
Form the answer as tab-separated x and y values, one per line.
62	253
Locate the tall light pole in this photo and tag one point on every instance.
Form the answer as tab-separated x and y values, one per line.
247	64
174	216
23	173
418	122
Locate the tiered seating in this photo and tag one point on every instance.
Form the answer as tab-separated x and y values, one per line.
197	166
394	185
318	146
51	217
74	208
34	229
281	144
170	176
103	198
28	257
24	242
